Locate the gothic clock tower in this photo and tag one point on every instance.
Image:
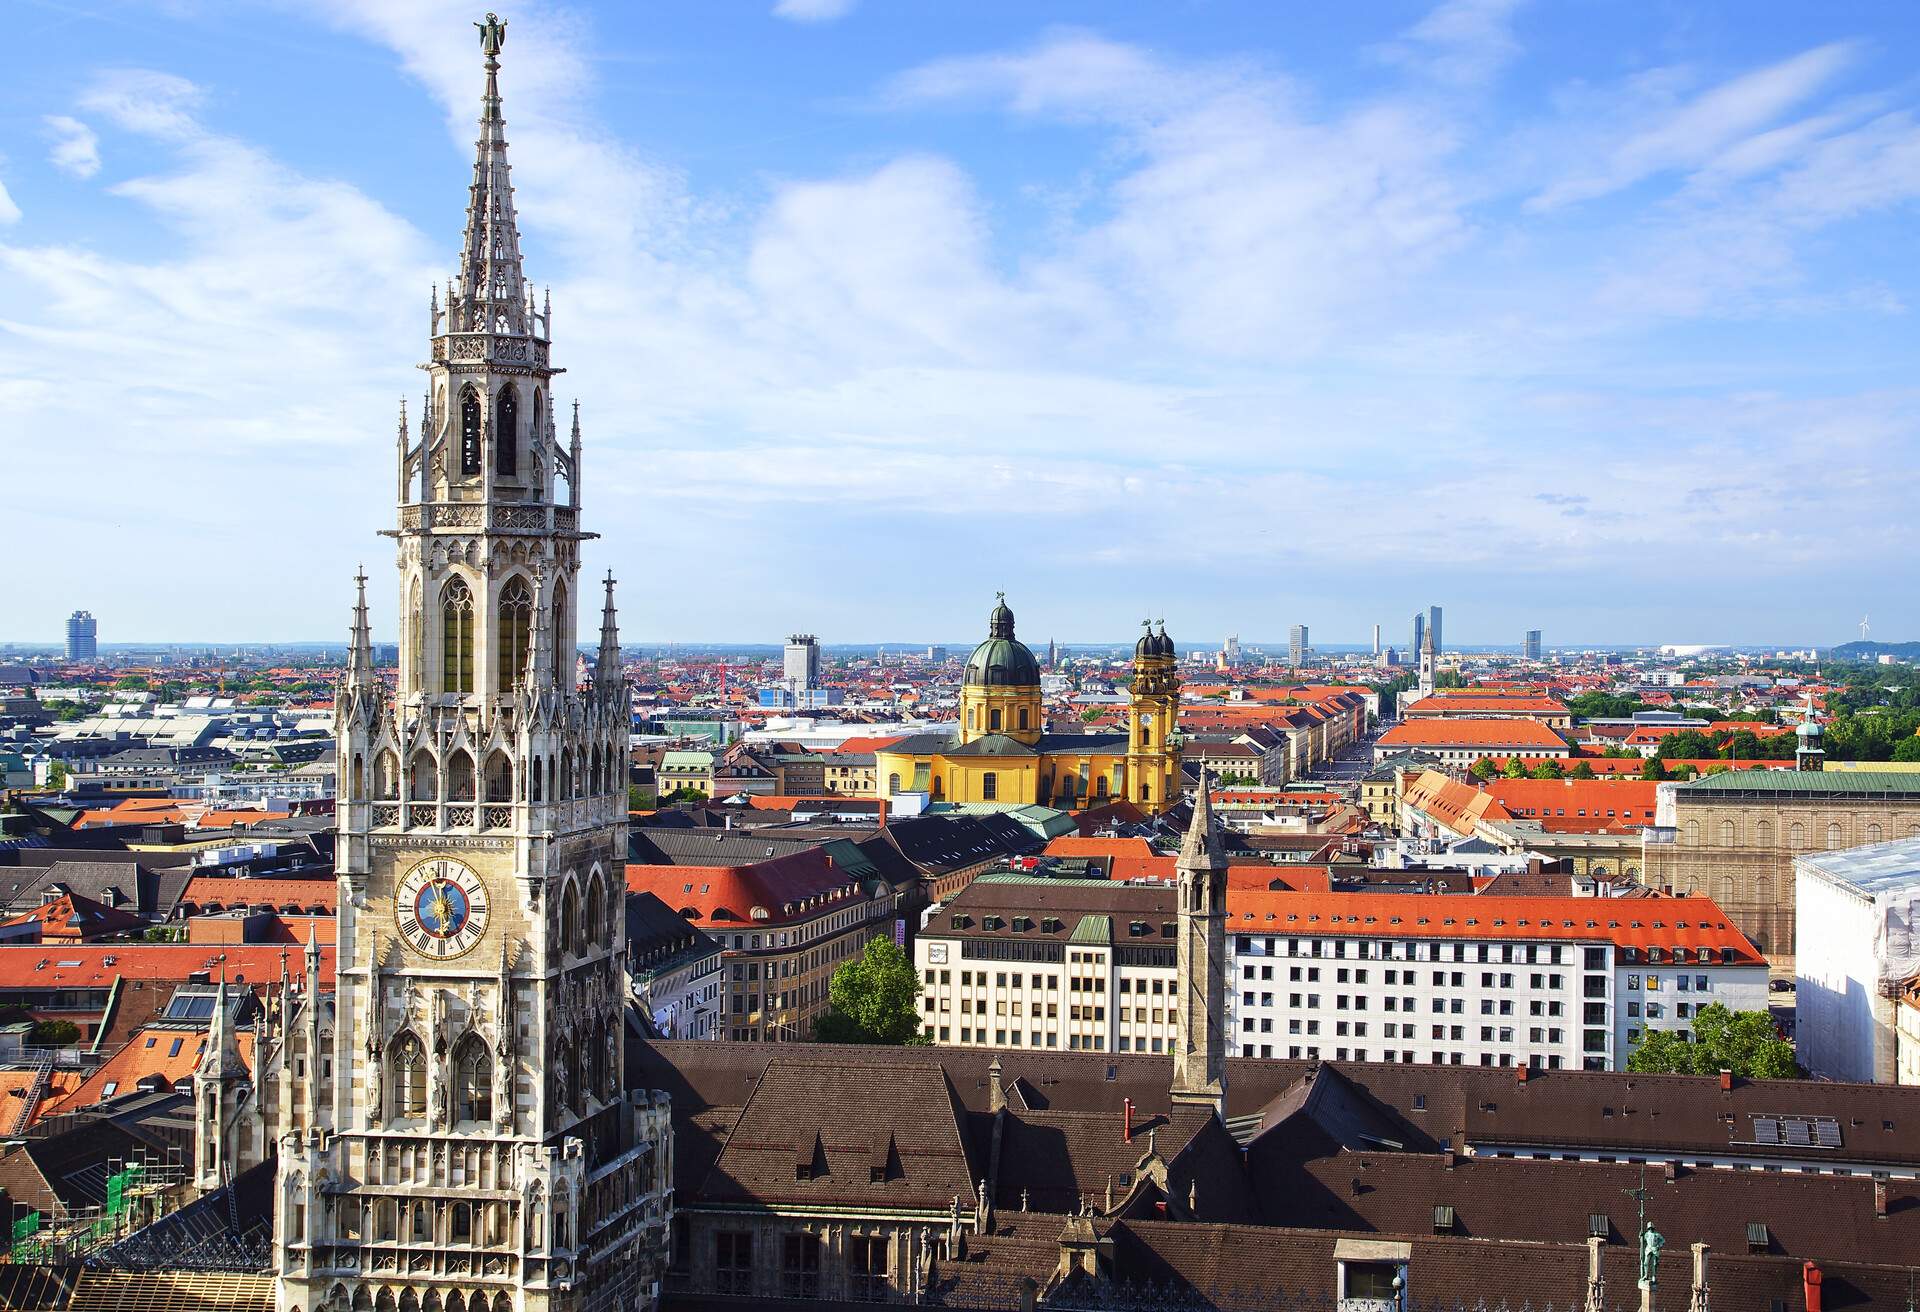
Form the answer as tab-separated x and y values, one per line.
482	1153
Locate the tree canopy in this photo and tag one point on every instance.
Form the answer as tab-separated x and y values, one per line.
872	999
1744	1042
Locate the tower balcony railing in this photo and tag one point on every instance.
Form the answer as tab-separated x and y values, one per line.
485	817
539	518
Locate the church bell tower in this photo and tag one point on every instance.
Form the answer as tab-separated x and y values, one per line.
482	1153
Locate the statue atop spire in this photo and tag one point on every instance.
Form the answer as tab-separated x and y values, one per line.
490	295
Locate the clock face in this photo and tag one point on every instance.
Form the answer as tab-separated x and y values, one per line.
440	908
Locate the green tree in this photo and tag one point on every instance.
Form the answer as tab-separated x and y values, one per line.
1603	706
1907	749
638	798
1089	715
58	775
1482	769
54	1034
1547	770
873	998
1655	768
1687	745
1581	770
1744	1042
130	681
1683	771
1516	768
1449	679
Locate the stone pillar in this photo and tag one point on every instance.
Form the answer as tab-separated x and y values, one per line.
1596	1276
1697	1299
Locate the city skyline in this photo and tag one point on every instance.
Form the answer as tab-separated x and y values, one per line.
851	289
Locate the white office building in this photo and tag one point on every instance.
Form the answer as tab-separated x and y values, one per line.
1856	941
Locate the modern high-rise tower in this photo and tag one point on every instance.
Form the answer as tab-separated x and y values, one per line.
471	1140
1530	649
1297	646
801	669
83	636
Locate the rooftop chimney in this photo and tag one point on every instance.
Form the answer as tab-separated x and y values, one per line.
1520	1072
1726	1081
1879	1200
1126	1120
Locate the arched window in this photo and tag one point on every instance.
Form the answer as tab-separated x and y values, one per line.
595	909
460	776
516	629
565	789
1796	835
1726	833
1763	890
470	429
423	781
416	655
1693	833
1146	791
893	783
1729	893
386	777
506	431
564	647
569	919
1763	833
499	777
1833	835
535	779
1146	735
456	637
409	1062
1873	833
473	1081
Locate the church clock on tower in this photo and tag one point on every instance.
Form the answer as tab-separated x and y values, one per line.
441	908
480	1150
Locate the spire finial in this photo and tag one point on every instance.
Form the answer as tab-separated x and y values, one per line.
493	35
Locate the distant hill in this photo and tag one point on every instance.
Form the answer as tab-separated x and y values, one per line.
1867	651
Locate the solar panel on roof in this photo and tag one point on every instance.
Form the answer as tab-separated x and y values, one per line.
1827	1133
1798	1132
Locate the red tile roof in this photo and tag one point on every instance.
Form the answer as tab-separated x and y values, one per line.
784	890
228	892
1690	922
1467	732
86	965
1578	805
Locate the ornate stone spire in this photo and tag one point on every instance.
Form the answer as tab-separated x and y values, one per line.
606	672
222	1058
360	648
1201	849
491	295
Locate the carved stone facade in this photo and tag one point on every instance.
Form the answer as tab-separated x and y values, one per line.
454	1129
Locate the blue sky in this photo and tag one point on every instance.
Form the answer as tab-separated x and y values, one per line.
1581	316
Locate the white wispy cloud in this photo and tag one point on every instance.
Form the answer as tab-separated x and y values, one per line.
1731	121
1460	42
75	149
813	11
1256	307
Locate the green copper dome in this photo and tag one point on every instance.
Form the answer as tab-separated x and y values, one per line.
1002	661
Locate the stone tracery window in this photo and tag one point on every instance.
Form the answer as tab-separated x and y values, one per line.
409	1083
456	637
515	629
473	1080
470	428
506	432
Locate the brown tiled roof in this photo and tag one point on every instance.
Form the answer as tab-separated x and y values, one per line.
835	1128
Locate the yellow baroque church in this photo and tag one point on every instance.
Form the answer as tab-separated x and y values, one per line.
1003	751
